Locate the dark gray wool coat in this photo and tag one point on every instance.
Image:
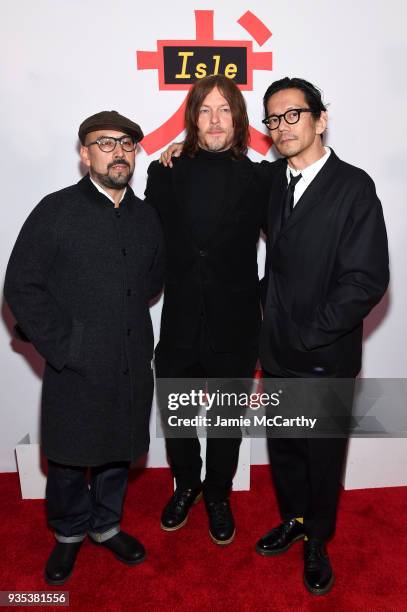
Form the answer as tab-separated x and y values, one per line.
79	282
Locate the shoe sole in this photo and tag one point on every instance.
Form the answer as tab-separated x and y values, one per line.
57	582
223	542
129	562
272	553
323	591
196	500
126	561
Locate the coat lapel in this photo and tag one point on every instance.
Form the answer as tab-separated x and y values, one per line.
278	188
313	195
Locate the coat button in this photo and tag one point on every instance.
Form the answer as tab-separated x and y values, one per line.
124	252
126	371
117	213
202	253
128	332
128	292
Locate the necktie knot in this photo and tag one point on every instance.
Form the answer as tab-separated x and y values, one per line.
294	180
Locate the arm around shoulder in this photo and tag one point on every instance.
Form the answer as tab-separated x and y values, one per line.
158	183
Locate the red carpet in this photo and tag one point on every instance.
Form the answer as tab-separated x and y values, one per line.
186	571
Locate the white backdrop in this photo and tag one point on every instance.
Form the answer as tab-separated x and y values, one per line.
63	61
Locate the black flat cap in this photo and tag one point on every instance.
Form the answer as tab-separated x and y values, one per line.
109	120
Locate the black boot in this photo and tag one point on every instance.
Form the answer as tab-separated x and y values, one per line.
175	513
61	562
221	523
125	547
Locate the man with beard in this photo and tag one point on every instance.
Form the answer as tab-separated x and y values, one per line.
211	207
86	264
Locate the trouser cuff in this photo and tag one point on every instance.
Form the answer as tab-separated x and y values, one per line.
69	539
106	535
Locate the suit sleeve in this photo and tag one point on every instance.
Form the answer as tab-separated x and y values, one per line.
26	290
157	270
156	193
264	173
157	187
361	274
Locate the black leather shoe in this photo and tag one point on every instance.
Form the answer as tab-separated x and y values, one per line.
318	575
279	539
125	547
175	513
221	524
61	562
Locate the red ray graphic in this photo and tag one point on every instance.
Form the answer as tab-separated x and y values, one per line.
166	133
204	32
255	27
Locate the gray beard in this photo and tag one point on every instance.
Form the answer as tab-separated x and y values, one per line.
215	148
110	182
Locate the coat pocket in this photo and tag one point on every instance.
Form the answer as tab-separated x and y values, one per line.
286	343
74	359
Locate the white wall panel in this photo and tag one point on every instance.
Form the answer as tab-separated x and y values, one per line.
62	61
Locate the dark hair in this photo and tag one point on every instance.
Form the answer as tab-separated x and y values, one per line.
312	94
237	104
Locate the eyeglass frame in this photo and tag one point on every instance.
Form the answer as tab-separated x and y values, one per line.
283	116
117	140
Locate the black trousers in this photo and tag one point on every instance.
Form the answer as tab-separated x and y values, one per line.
222	454
307	474
78	505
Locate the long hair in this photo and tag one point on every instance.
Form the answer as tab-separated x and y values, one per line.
231	92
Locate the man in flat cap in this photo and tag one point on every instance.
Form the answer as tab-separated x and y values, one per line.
86	264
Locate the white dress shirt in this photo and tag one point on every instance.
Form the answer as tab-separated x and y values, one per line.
307	174
99	188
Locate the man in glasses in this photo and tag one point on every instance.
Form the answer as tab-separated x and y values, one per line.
326	268
86	264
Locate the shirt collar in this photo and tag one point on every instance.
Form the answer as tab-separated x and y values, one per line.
101	190
310	172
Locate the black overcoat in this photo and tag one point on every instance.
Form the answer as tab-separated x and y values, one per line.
220	281
79	282
326	269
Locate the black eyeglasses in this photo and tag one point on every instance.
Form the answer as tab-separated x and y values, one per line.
291	116
108	143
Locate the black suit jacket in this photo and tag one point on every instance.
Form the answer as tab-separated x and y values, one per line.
219	282
326	270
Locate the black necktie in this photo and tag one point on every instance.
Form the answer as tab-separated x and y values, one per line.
289	198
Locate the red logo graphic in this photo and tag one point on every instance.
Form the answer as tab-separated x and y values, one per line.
181	62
